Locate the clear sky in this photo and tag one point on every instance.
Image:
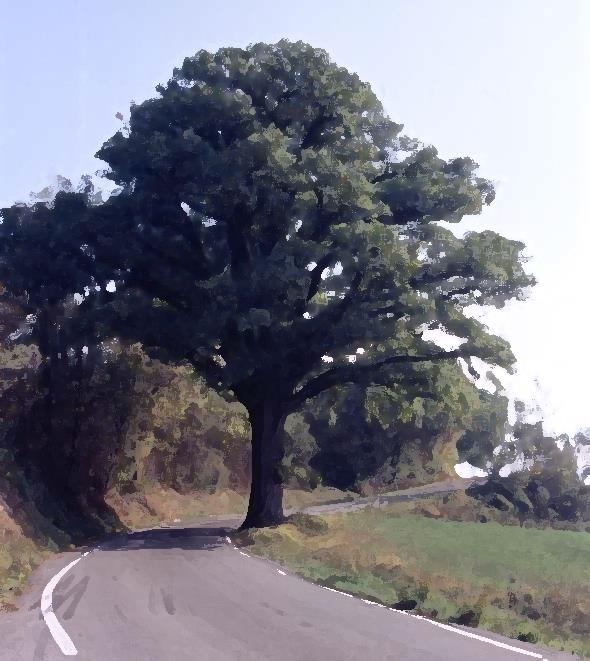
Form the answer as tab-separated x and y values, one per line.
505	82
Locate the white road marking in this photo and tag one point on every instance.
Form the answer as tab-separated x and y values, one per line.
346	594
373	603
475	636
59	634
242	553
281	572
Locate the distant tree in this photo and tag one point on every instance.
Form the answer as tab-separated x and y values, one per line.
582	443
361	432
42	265
276	230
544	481
485	431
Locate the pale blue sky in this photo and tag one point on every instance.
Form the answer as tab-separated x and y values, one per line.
502	81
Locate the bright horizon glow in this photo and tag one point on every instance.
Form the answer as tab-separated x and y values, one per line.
505	83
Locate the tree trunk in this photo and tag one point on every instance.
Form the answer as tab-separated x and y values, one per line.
265	507
47	371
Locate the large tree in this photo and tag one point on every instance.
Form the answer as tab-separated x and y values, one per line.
275	229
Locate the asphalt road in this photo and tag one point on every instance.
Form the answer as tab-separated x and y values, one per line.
413	493
187	594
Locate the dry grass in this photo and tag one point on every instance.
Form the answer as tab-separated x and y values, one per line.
297	499
159	505
19	555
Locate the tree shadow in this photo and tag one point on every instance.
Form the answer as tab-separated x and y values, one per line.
54	478
190	539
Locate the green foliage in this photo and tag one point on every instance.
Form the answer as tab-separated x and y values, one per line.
252	166
487	429
547	486
178	432
396	436
274	230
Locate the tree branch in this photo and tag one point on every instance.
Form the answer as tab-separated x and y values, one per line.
350	373
315	334
316	275
428	277
468	289
395	309
237	226
156	288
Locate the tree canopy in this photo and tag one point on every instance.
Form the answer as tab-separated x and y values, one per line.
277	231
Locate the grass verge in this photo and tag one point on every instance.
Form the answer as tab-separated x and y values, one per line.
19	555
525	583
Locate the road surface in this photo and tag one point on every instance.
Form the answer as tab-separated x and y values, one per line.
187	594
413	493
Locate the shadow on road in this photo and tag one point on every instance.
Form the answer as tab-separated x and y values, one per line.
197	538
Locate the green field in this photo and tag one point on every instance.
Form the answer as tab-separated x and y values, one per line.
520	582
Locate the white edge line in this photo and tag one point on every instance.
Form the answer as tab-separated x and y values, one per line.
468	634
446	627
373	603
64	642
346	594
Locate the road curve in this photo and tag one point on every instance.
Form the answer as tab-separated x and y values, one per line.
413	493
187	594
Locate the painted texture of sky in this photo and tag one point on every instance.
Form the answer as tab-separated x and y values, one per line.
505	82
